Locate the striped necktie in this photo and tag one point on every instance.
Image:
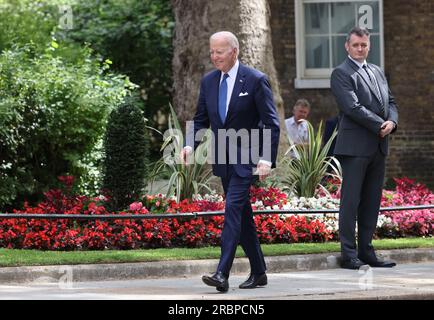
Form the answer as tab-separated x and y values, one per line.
374	82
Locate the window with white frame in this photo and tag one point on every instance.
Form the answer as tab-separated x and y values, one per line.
321	30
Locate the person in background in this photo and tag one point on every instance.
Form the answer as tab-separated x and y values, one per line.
296	126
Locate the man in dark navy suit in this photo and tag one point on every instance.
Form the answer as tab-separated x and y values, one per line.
237	103
368	115
330	126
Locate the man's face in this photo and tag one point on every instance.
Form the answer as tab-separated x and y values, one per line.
358	47
222	55
300	113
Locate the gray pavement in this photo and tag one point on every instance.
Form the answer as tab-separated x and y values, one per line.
406	281
290	277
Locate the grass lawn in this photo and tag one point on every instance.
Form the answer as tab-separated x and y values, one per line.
15	257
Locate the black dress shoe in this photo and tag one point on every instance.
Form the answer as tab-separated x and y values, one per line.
218	280
381	264
353	264
254	280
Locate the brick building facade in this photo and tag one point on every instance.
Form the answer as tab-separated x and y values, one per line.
408	33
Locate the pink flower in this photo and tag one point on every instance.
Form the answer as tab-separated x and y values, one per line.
135	206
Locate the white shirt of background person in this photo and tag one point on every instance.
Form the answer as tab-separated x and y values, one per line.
296	126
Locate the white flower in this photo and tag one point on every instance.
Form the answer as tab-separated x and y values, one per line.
286	207
197	197
384	221
259	205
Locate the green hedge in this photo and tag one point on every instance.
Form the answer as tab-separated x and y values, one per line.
52	113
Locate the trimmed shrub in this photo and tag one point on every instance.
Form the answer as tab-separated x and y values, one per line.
126	150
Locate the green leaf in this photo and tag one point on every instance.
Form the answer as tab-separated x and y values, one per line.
304	174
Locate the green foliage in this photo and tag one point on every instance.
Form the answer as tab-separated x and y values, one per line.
52	113
55	97
26	21
126	146
304	173
185	180
36	22
136	35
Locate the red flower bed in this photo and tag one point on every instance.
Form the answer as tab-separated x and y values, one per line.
274	229
72	234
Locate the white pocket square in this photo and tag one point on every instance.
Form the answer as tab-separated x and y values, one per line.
242	94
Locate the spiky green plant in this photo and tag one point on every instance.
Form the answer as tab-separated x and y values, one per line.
185	180
304	173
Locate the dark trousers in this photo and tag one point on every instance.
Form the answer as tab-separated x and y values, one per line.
361	192
239	227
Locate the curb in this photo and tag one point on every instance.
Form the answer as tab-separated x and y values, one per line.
186	268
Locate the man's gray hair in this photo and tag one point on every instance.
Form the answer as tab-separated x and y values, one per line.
360	32
229	36
302	103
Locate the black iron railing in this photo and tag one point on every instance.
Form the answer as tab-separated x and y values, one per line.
191	215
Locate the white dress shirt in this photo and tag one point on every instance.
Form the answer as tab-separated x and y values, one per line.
297	132
360	64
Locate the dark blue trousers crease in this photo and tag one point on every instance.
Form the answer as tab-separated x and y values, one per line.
239	227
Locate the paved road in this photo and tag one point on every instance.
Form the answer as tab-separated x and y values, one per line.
406	281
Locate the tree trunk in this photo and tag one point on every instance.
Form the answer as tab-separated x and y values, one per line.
195	21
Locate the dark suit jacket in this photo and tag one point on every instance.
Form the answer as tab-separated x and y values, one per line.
360	109
253	109
330	125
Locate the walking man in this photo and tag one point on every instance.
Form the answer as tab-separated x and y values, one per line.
236	98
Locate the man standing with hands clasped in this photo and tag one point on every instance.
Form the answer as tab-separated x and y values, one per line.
237	100
368	114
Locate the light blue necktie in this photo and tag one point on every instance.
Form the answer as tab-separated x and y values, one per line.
223	92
